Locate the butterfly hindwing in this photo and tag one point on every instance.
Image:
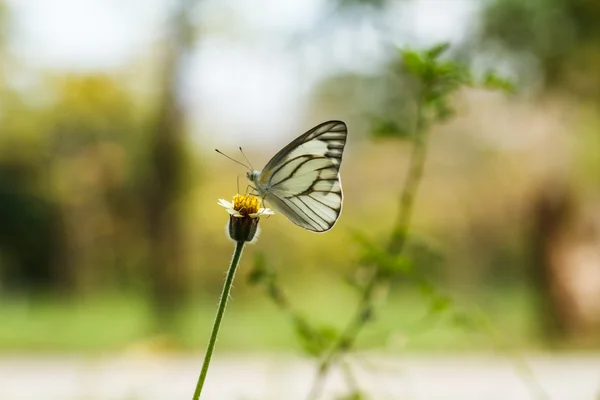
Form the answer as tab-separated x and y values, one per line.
311	192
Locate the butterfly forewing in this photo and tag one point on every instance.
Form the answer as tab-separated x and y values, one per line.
298	173
327	139
302	180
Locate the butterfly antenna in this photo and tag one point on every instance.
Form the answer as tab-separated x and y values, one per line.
246	158
233	159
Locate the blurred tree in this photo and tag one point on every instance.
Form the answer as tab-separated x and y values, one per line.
553	213
566	245
557	41
3	34
67	183
32	236
166	171
86	135
555	44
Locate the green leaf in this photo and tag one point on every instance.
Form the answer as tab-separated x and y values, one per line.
464	321
386	128
427	289
329	334
437	50
441	110
388	263
494	82
314	341
424	254
355	280
260	271
307	335
439	304
355	395
398	265
413	62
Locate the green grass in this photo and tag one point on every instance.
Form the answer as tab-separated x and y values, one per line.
45	324
116	322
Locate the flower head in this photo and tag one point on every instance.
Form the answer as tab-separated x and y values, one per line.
244	214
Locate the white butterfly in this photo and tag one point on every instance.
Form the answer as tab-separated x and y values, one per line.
302	180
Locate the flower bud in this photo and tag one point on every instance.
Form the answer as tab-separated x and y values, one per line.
242	229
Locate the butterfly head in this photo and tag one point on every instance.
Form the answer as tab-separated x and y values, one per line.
253	175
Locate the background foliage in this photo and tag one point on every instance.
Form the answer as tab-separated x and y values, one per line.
108	184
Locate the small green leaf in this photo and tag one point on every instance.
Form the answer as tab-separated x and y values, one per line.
398	264
329	335
355	395
314	341
464	321
397	240
307	335
437	50
259	272
427	289
354	281
440	304
367	314
387	262
386	128
494	82
413	61
441	110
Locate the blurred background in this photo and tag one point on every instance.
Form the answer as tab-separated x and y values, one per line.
111	239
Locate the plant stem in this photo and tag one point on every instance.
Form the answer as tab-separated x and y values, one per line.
237	254
395	246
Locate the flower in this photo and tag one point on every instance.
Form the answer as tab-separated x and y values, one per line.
244	214
245	205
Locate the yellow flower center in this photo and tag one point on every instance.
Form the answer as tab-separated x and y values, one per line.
246	203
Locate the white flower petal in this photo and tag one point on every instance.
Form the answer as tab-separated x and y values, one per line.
233	212
261	212
266	211
225	203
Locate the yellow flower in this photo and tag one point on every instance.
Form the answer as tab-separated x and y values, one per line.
245	212
245	205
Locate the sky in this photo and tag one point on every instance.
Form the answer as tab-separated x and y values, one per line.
246	77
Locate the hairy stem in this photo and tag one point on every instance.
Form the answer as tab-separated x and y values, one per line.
235	260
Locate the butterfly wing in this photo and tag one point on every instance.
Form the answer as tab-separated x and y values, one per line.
327	139
302	181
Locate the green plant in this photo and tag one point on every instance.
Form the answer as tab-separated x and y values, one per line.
431	80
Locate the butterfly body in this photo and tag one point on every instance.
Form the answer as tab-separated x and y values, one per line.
302	180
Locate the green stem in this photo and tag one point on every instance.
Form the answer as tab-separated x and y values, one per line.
237	254
395	246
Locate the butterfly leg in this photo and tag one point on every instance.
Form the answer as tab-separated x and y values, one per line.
254	190
263	200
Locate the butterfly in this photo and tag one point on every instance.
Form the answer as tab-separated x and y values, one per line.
302	181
